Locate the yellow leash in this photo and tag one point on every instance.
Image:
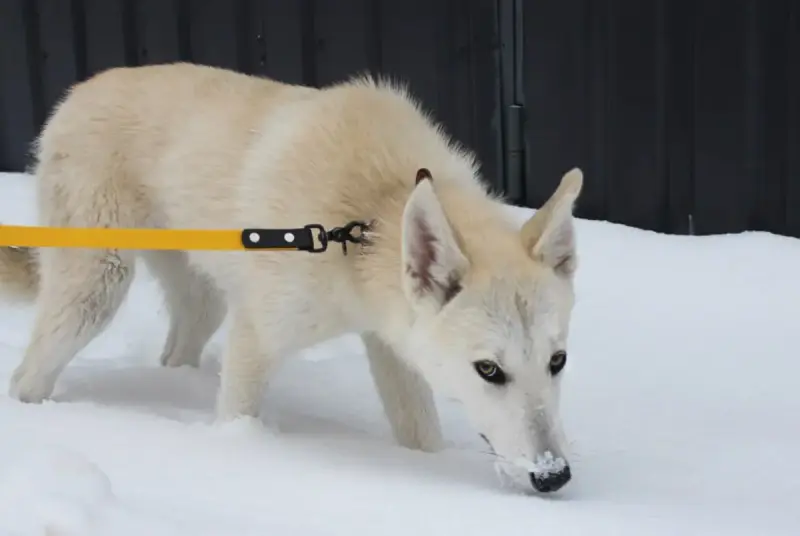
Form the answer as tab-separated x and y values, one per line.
301	239
56	237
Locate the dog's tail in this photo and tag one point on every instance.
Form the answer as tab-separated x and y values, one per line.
19	273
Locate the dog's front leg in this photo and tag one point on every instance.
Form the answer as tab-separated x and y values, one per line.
245	369
407	398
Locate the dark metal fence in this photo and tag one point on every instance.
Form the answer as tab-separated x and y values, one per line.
685	115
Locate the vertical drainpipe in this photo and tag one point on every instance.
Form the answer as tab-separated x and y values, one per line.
511	65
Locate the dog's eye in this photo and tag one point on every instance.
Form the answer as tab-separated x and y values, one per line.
557	362
490	372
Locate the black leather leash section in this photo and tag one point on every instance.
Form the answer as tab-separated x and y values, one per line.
303	239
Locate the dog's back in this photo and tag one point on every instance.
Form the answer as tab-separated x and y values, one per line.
127	127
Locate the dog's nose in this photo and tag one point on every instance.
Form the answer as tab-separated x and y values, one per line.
552	481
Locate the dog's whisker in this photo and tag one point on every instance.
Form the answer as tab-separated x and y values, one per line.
498	458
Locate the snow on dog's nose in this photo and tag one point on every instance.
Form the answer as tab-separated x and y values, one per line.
551	478
547	474
551	482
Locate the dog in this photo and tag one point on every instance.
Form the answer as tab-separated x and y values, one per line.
449	294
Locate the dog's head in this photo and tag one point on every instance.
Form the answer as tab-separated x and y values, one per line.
492	333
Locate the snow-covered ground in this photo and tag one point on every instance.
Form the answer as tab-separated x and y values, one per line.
682	400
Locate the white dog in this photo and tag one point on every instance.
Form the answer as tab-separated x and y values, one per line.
448	293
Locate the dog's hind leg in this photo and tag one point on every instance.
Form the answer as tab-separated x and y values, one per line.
81	291
196	307
406	396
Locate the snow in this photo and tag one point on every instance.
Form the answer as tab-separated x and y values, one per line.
544	465
682	405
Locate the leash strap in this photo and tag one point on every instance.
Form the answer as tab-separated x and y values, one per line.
299	239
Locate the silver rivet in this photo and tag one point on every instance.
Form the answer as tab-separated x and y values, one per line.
254	237
289	237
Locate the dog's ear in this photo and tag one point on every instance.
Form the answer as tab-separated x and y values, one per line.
549	235
433	262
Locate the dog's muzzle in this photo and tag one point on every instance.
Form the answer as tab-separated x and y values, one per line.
553	481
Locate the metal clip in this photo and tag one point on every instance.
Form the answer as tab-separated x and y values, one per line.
344	234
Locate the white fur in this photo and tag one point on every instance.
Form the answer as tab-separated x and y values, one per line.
183	146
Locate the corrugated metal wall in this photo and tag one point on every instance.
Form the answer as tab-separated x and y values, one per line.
684	114
445	49
675	108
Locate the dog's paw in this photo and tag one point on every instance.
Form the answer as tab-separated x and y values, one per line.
180	359
430	441
29	387
246	426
